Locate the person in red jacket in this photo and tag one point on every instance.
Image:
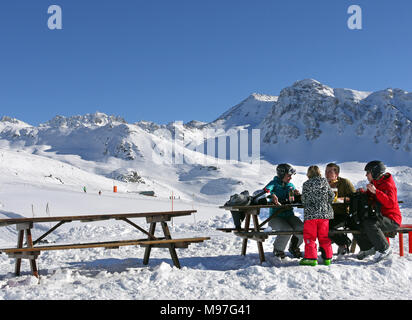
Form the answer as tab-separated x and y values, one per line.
383	195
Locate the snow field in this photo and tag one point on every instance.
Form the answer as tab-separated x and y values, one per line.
213	269
210	270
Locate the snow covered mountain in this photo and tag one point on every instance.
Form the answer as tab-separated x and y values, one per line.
248	113
135	157
325	123
92	136
339	124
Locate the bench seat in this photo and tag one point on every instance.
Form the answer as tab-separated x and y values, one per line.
261	236
162	242
250	234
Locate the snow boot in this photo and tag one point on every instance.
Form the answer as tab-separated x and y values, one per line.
279	253
342	250
327	262
308	262
345	248
294	249
380	255
363	254
295	252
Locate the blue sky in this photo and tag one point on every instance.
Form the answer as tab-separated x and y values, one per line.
164	61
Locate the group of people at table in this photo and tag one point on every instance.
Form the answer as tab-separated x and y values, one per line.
320	216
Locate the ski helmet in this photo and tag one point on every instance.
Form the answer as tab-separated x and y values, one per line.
376	168
283	169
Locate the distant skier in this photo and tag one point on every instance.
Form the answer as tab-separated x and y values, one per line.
84	189
100	192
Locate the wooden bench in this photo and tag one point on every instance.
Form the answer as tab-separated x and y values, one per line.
256	233
32	251
161	243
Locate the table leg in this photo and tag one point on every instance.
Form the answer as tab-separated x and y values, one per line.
33	265
244	243
22	228
19	245
149	247
353	246
172	248
259	243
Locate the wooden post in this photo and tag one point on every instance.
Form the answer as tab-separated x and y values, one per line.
259	243
19	245
33	265
21	228
172	201
149	247
172	249
172	207
410	242
244	243
401	244
353	246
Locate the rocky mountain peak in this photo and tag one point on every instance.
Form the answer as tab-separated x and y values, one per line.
12	121
97	119
308	113
249	112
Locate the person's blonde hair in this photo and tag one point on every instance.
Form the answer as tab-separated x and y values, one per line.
313	171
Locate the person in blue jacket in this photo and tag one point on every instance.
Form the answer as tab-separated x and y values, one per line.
280	188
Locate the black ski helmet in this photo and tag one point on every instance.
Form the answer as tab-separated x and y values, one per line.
283	169
376	168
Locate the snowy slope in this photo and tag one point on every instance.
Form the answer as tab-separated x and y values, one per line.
210	270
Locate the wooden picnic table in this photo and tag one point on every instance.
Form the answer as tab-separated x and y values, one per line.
256	232
32	250
253	211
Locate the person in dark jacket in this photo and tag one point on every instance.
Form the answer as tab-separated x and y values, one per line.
383	196
280	188
317	197
344	188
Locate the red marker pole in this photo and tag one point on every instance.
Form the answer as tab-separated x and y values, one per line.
401	244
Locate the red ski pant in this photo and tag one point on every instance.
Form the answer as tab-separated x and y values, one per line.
317	228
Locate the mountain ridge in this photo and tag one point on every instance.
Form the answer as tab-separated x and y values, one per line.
304	114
